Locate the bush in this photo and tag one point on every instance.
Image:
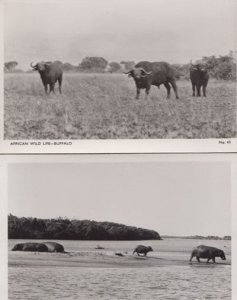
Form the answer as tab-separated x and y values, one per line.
93	64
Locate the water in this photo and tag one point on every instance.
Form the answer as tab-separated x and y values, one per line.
175	281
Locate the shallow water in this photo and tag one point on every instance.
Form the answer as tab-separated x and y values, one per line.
197	281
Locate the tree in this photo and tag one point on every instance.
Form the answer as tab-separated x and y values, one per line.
128	65
93	64
114	67
10	66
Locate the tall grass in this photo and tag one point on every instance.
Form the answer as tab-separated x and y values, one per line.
102	106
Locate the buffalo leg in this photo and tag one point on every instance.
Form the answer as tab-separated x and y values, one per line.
197	258
147	91
166	84
214	259
46	88
60	84
198	91
174	86
52	88
138	93
190	260
204	91
193	86
208	260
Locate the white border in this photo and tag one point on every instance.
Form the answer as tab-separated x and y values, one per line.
106	146
115	158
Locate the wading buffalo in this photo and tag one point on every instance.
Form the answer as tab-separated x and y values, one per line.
207	252
54	247
199	78
35	247
146	74
50	73
140	249
39	247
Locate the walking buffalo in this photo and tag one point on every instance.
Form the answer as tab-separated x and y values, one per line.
142	249
207	252
146	74
199	78
50	73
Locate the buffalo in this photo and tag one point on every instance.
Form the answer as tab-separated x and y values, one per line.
54	247
199	78
207	252
142	249
50	73
39	247
35	247
146	74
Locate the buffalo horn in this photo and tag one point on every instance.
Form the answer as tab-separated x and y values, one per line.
145	72
31	64
129	72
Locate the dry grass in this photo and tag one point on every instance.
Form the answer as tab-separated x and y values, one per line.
102	106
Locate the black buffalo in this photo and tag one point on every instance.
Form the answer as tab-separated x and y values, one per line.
35	247
146	74
207	252
39	247
54	247
50	73
199	78
140	249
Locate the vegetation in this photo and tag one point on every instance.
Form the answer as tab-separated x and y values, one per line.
102	106
93	64
65	229
200	237
222	67
114	67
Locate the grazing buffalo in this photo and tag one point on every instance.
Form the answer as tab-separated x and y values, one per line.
207	252
199	78
146	74
142	249
50	73
35	247
39	247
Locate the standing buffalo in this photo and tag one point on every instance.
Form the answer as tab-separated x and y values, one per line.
199	78
50	73
207	252
146	74
142	249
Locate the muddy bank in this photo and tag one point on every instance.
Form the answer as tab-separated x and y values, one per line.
99	259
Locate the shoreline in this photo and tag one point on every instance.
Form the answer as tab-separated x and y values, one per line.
101	260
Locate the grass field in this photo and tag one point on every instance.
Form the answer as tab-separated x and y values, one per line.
102	106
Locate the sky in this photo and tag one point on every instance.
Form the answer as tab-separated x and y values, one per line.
157	30
173	198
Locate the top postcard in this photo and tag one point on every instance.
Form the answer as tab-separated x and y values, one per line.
118	76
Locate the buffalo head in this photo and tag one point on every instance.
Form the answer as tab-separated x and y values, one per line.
222	255
137	73
41	66
149	248
198	67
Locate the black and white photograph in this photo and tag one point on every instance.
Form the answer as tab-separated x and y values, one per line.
119	69
119	228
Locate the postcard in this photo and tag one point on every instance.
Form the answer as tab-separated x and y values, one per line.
118	76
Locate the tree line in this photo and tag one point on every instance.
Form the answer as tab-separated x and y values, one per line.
65	229
222	67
